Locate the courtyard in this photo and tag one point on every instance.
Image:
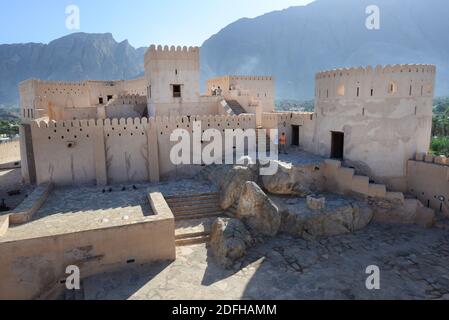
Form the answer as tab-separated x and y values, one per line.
413	264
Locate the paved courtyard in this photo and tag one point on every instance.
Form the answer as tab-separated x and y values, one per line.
414	264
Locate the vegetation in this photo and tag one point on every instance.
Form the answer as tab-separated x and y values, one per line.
295	105
9	127
440	128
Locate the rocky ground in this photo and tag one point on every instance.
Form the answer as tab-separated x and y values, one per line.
413	264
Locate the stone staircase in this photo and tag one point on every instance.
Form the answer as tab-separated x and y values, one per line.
235	107
194	216
345	180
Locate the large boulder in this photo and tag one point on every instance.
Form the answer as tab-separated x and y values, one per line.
340	216
232	184
258	211
299	180
229	241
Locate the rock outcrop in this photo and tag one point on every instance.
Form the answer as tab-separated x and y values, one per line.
402	211
294	180
229	241
232	184
258	211
340	216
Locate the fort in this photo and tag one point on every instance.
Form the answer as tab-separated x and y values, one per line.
105	195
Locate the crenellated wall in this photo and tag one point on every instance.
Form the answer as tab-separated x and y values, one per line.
428	180
286	122
72	100
166	67
118	150
381	111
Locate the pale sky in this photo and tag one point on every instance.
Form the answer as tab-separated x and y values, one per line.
142	22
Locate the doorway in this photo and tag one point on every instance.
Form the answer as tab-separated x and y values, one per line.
295	136
338	144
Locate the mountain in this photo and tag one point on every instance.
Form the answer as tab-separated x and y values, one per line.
78	56
292	44
295	43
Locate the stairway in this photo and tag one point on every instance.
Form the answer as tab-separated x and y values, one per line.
235	107
194	216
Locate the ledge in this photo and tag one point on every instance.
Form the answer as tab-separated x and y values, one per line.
25	211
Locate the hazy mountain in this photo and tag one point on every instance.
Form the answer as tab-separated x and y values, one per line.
292	44
295	43
79	56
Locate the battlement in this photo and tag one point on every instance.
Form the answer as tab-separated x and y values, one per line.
172	52
223	121
428	158
391	81
378	70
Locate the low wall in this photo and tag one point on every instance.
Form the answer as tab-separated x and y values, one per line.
30	267
9	152
428	180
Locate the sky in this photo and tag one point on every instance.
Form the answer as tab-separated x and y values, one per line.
142	22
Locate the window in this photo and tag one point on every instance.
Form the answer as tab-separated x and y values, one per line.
109	97
100	100
341	90
392	88
372	92
176	91
358	91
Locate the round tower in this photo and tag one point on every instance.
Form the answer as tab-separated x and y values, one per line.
375	118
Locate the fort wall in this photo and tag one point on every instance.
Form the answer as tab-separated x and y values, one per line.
72	100
385	110
428	180
116	151
9	152
166	67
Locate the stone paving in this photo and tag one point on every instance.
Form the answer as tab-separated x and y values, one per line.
413	263
76	209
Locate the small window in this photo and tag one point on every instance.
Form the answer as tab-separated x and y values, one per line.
109	97
372	92
100	100
176	91
358	92
392	88
341	90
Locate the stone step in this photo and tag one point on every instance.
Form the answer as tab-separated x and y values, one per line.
193	216
192	241
196	210
199	203
204	196
191	235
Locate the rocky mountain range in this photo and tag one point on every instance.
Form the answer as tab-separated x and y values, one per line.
292	45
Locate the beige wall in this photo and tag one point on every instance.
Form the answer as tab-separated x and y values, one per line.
249	91
165	67
115	151
383	129
428	181
9	151
70	100
31	266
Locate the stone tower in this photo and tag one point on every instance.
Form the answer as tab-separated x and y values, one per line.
375	119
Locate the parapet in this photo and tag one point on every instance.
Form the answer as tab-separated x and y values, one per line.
172	52
378	70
